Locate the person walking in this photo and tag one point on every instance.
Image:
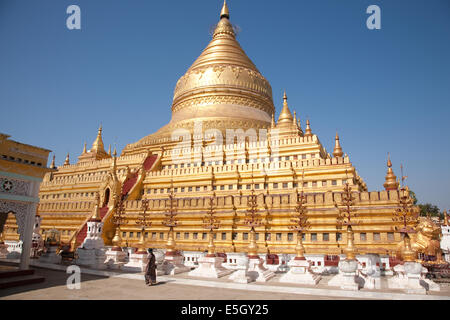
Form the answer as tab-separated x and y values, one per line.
150	270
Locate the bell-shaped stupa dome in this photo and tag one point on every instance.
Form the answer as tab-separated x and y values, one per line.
223	89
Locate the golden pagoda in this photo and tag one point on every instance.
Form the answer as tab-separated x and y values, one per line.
221	92
391	180
337	147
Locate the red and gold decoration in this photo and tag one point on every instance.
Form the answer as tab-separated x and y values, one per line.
211	223
407	216
144	222
346	213
253	220
118	220
171	222
300	224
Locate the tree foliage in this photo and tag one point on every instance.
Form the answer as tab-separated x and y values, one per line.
412	194
430	209
427	208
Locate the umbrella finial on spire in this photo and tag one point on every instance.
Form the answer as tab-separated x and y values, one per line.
225	13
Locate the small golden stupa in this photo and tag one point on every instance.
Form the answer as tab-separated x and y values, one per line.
391	180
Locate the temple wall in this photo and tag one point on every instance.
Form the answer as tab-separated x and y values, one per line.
375	214
68	196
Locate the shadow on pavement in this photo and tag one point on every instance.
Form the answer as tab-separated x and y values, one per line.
53	278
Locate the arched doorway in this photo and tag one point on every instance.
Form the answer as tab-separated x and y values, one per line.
106	200
12	229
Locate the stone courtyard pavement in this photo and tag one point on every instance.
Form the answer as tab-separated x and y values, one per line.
107	285
99	287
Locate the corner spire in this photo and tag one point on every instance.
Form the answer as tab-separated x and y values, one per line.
97	152
445	218
225	13
109	150
285	115
97	146
308	132
96	217
53	166
337	147
272	125
67	161
391	180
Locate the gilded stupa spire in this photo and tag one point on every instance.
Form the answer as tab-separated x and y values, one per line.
272	125
445	218
285	115
224	26
109	150
391	180
97	151
225	13
96	216
294	121
97	146
222	66
337	147
114	168
67	161
52	165
308	132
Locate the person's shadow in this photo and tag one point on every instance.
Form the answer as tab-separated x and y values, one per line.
162	282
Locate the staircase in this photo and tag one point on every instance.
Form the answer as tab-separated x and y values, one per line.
81	235
15	278
132	181
148	163
83	232
128	185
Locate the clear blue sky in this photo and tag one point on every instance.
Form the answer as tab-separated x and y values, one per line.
383	90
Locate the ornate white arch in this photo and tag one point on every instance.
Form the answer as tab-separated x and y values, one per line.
19	210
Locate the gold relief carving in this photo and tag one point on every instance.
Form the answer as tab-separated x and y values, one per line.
236	71
218	69
221	124
200	72
224	99
256	81
253	75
